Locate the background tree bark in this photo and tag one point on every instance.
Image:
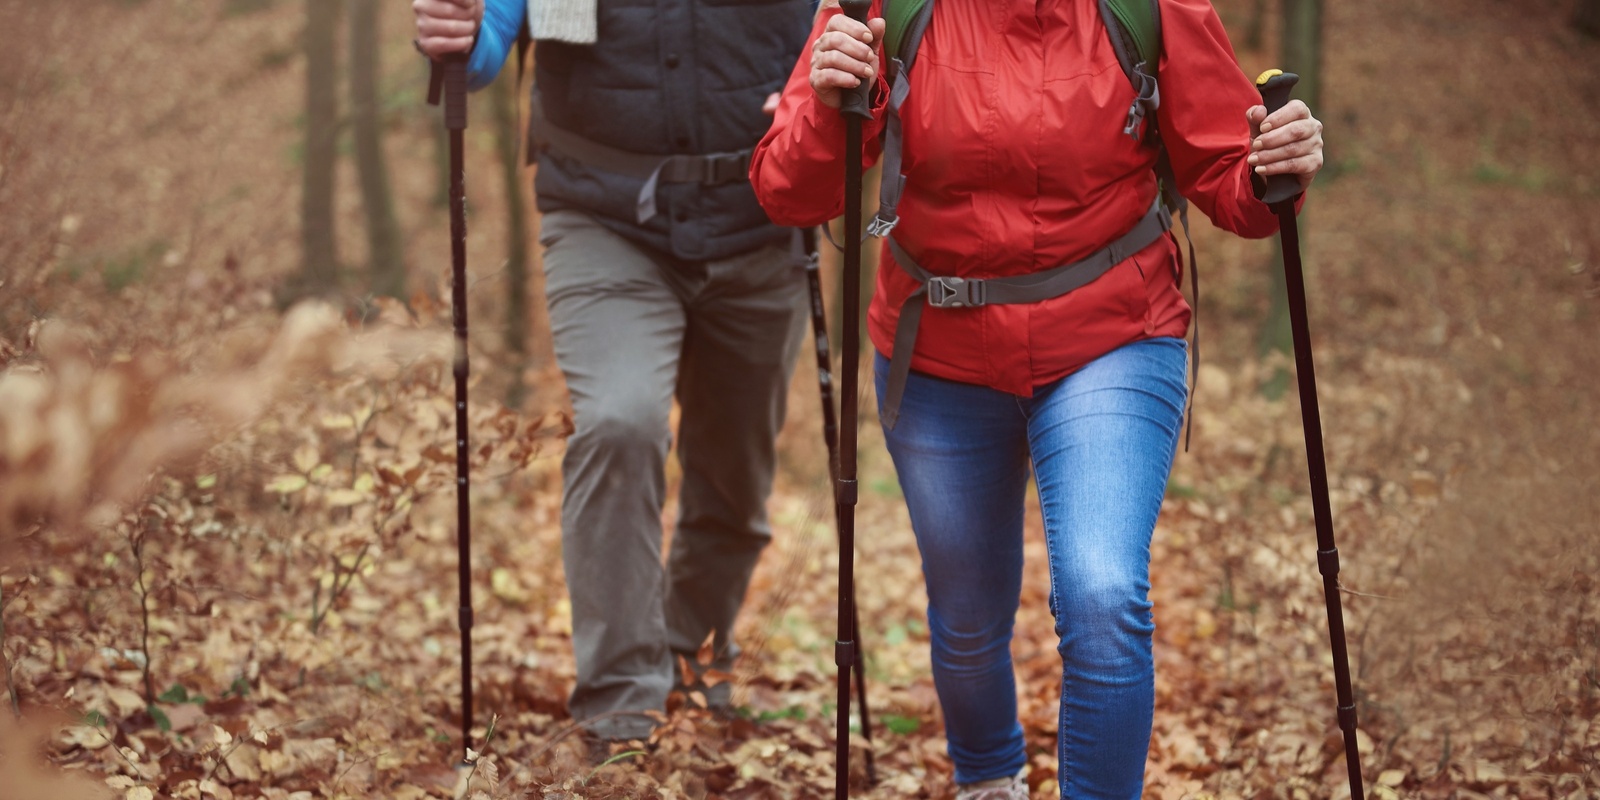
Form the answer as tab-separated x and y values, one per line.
508	137
386	263
1302	55
1586	17
318	249
1255	30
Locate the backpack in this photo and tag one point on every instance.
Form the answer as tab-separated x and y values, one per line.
1134	30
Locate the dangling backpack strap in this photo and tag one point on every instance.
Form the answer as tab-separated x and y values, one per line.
1134	29
905	23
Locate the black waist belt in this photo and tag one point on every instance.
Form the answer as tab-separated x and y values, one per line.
709	169
942	292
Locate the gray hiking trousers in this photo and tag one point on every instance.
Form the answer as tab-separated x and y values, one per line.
633	328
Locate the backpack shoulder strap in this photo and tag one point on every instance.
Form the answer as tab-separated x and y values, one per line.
1134	29
905	23
900	17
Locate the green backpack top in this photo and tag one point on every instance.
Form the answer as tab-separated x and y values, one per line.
1134	30
1134	27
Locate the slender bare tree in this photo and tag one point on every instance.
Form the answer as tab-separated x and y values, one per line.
507	139
1586	16
318	251
386	264
1302	54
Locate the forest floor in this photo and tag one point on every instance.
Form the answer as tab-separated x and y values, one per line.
284	588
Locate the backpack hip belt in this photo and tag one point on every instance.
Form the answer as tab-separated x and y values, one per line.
708	169
939	291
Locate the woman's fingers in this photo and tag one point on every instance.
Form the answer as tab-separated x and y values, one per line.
844	44
1297	137
843	56
1291	111
844	62
1286	142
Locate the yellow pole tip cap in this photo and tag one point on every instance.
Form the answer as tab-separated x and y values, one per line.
1267	76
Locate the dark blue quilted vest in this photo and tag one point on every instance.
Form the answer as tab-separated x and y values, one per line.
670	77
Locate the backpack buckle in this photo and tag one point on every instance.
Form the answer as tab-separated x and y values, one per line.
880	227
1148	99
955	292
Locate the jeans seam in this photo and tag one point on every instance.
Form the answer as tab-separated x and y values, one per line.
1055	614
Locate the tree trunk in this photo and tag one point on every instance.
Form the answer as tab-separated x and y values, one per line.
1302	55
318	251
1256	30
507	139
386	265
1586	16
1302	47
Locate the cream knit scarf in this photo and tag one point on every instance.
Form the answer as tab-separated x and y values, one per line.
564	20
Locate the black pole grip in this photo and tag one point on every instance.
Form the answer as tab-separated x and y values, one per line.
455	91
857	101
1275	87
435	82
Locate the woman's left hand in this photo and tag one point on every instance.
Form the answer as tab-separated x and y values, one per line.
1289	142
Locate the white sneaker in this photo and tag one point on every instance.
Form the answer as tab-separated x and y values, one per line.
1012	788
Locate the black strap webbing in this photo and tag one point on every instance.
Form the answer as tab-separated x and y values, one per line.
944	292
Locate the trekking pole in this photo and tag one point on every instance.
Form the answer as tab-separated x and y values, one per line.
830	436
450	78
1280	195
854	106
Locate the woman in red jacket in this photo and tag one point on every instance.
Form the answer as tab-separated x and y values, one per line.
1017	163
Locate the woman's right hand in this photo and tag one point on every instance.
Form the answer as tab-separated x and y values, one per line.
845	55
446	26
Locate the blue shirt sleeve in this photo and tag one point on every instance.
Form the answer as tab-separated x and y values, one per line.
501	21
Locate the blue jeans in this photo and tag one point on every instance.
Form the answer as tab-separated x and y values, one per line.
1100	443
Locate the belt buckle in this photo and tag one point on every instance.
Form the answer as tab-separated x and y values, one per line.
725	168
946	292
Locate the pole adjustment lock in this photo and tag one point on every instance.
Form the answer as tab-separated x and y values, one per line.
1328	562
844	654
1347	717
844	492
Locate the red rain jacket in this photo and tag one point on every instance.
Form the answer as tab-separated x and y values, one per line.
1016	162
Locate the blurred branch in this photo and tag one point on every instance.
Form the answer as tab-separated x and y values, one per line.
341	581
136	534
5	658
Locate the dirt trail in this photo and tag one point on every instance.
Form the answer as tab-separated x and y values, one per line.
150	187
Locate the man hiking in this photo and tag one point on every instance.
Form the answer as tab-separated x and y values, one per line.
665	279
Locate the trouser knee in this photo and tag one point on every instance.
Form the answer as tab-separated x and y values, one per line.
1108	626
622	434
964	645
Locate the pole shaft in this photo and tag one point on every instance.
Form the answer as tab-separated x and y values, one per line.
845	486
819	329
1316	463
455	115
830	434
